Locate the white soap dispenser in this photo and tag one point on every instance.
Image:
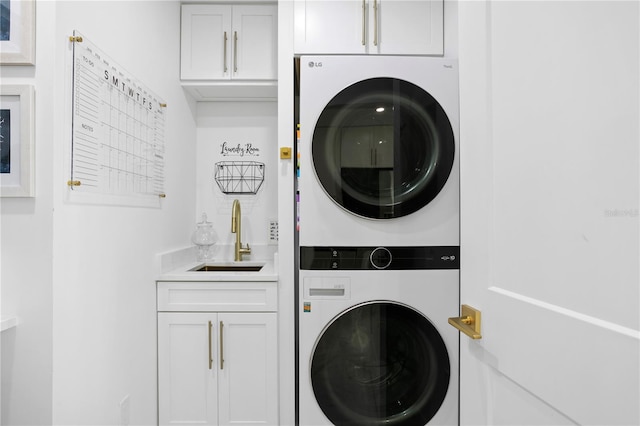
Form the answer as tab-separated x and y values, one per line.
204	237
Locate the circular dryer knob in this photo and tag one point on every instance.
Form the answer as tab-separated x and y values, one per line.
380	258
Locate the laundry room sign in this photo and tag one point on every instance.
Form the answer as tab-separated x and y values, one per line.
246	149
237	172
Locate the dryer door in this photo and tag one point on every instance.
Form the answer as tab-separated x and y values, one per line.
380	363
383	148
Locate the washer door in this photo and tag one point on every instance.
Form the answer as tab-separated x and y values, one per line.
383	148
380	363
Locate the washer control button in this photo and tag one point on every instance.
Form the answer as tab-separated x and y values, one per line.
380	258
335	259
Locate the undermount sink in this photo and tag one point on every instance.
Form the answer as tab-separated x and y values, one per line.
227	268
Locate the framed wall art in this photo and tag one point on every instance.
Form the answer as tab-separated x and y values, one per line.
17	32
17	156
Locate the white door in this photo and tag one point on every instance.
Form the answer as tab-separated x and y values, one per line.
187	369
248	368
550	185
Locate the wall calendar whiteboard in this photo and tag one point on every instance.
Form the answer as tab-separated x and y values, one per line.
117	150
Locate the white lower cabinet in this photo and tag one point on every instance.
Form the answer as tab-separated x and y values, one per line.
217	368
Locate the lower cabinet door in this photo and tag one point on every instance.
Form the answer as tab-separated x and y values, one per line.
217	368
187	372
248	375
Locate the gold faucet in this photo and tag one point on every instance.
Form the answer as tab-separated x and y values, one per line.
236	219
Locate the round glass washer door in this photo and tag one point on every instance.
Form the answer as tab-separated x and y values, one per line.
380	363
383	148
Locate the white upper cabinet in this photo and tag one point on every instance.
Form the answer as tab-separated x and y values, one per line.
225	42
388	27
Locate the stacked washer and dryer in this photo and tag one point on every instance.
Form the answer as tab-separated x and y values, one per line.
378	241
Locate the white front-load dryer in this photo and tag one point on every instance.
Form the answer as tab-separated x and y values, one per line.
378	151
375	347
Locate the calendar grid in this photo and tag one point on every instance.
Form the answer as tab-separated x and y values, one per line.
118	129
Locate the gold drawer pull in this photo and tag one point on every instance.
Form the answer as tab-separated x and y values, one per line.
224	41
221	345
210	357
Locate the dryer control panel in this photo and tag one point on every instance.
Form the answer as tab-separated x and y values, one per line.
380	258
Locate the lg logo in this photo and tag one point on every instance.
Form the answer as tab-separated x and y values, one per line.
315	64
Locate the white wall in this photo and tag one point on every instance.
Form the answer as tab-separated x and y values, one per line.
103	291
286	252
225	129
26	228
89	270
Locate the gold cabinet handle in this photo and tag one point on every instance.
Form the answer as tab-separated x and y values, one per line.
225	39
235	51
375	22
364	22
469	322
221	345
210	357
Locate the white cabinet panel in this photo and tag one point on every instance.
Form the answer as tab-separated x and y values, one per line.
409	27
204	49
248	378
330	27
255	30
238	296
390	27
187	386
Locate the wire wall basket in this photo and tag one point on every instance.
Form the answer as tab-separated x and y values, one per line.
239	177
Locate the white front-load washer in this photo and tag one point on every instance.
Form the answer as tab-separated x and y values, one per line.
378	151
374	344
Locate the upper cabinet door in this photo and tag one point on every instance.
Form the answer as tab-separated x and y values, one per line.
390	27
205	41
323	27
255	29
405	27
